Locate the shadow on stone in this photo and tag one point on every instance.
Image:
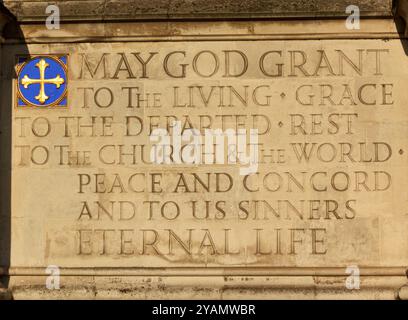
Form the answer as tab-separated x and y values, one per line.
400	10
13	42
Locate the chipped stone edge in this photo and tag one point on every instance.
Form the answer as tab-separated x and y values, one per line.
402	293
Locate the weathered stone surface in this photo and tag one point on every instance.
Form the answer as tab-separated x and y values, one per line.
188	9
84	197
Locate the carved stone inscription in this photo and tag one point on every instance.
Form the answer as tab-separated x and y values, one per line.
327	189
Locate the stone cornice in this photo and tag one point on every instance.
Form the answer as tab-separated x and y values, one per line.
110	10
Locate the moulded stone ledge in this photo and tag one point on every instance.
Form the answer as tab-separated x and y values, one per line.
106	10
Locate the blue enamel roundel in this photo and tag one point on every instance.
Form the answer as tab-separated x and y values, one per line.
42	81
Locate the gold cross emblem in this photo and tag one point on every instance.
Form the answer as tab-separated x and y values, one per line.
26	81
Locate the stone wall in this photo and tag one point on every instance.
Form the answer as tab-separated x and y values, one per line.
291	70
